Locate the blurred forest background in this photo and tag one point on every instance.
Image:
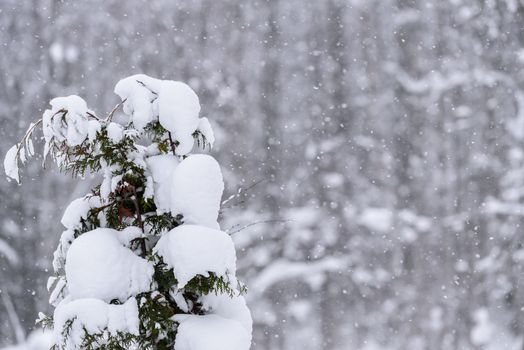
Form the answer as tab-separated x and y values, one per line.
378	145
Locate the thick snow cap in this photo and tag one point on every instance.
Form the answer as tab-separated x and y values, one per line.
94	316
210	332
138	91
162	168
178	110
232	308
197	190
11	164
193	250
99	266
174	103
77	124
78	210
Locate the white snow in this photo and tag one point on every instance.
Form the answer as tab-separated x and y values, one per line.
149	191
210	332
482	332
174	103
77	210
37	340
205	129
192	187
138	98
178	109
197	250
115	132
60	253
232	308
73	104
376	219
57	287
11	164
180	300
66	121
162	168
56	51
93	128
128	234
99	266
76	128
197	190
48	127
29	144
281	270
95	316
110	182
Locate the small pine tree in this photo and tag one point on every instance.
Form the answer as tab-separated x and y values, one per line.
142	263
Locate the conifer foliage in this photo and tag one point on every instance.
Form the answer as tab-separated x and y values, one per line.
142	263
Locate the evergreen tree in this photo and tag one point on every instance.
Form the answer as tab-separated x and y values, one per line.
142	263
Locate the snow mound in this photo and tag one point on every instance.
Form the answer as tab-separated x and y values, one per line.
197	190
110	182
60	253
162	168
93	127
115	132
178	110
78	210
232	308
128	234
73	104
219	333
197	250
205	129
99	266
174	103
138	91
11	164
66	120
95	316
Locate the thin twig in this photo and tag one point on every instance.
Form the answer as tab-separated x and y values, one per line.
144	85
255	184
110	115
257	223
241	192
27	134
173	147
89	114
99	209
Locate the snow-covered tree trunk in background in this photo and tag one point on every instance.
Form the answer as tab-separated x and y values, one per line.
142	263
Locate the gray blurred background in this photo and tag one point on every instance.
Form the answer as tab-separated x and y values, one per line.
378	143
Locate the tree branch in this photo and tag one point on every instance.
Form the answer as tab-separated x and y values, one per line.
113	111
140	222
256	223
173	147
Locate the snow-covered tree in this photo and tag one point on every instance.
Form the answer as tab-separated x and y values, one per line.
142	263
